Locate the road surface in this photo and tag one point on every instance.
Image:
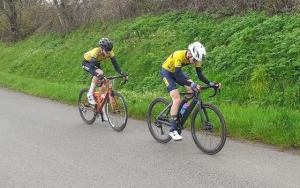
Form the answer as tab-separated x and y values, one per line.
44	143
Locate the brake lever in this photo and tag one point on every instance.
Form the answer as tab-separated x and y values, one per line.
124	82
215	92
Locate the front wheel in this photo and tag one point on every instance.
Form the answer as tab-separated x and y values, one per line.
158	120
116	111
87	111
209	133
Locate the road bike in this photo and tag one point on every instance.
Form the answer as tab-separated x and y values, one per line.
111	103
208	126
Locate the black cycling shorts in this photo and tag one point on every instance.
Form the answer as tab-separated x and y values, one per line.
86	66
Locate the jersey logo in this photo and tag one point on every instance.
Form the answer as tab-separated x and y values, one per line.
166	81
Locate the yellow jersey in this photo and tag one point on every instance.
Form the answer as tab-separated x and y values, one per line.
178	59
96	53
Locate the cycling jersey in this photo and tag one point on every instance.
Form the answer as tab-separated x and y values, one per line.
92	60
96	53
177	59
171	70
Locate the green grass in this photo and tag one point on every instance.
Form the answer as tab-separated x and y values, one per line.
272	125
256	58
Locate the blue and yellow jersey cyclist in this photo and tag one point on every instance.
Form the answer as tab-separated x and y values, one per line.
91	64
171	74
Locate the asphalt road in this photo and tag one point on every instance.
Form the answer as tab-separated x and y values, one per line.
44	143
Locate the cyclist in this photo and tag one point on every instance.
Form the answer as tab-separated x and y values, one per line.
91	64
171	74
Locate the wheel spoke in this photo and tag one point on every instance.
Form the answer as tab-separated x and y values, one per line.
86	110
210	134
117	113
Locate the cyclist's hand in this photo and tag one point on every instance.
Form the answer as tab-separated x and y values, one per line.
215	85
100	76
125	76
195	87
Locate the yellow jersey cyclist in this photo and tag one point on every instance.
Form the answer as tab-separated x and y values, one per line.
91	64
171	74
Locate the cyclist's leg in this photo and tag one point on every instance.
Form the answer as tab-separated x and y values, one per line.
94	72
169	80
99	71
187	88
174	94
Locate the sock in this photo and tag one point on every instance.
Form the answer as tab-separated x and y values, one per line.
173	123
91	91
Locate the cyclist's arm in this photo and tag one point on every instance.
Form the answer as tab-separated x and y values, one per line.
180	78
116	66
201	76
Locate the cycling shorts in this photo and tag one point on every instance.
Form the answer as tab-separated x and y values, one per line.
169	79
86	66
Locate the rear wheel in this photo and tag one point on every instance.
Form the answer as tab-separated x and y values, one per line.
87	111
210	134
158	120
116	111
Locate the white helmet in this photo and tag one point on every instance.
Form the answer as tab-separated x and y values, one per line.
197	50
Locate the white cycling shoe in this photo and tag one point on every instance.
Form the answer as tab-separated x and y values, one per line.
175	135
91	98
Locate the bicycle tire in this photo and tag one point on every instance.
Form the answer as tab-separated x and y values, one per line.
211	137
116	111
159	131
86	110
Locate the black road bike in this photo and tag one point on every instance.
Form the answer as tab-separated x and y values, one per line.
208	125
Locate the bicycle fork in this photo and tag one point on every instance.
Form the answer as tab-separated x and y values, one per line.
206	124
114	103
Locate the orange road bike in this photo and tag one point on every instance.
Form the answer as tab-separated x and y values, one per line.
111	103
208	125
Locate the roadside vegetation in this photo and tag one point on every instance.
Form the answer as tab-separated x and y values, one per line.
256	57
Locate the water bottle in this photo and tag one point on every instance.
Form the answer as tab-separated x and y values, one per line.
183	108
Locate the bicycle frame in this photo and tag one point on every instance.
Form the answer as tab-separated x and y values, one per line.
186	114
208	127
99	100
196	100
108	95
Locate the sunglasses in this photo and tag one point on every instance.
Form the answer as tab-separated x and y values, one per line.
194	60
107	52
